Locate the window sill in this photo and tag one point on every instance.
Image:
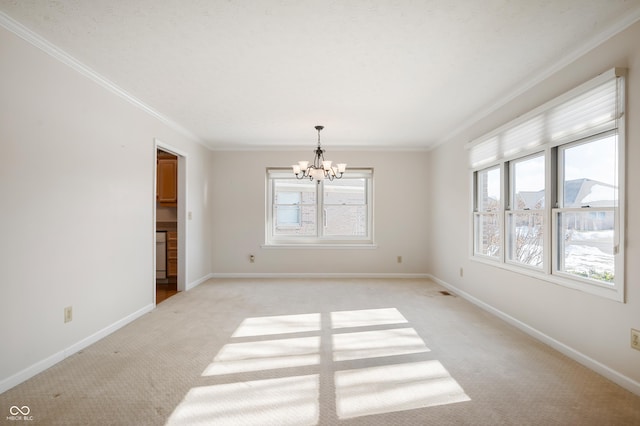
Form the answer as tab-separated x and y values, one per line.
614	293
331	246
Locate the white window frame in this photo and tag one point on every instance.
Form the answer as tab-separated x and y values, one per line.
319	240
478	213
498	149
560	208
512	210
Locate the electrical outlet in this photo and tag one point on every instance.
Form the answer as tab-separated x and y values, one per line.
399	259
461	272
635	339
252	259
68	314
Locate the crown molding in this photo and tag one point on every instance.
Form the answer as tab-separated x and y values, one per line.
527	85
309	147
41	43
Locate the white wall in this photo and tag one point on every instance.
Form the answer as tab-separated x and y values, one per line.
595	329
76	219
400	211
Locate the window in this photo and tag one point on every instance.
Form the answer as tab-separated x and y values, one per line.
586	217
525	215
559	170
488	237
329	212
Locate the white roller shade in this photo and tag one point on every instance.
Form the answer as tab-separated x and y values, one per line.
589	113
589	109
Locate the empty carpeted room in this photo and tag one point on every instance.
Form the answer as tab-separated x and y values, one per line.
320	212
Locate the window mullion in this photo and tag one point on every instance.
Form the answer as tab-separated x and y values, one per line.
320	215
551	194
505	189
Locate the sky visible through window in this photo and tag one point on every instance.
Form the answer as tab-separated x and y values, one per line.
530	175
493	183
595	160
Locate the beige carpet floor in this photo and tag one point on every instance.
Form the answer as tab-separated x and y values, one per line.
312	351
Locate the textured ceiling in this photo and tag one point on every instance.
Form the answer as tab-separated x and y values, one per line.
376	73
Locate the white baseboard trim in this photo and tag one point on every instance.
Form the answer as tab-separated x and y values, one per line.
50	361
197	282
600	368
259	275
31	371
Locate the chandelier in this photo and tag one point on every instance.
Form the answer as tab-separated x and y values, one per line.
321	168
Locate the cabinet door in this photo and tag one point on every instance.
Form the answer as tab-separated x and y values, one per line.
172	268
167	181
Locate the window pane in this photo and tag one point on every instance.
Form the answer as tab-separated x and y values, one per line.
345	191
292	191
590	174
488	190
528	184
526	238
487	237
288	213
283	197
305	220
586	244
345	220
288	216
294	208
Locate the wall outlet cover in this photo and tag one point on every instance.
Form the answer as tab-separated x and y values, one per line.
68	314
635	339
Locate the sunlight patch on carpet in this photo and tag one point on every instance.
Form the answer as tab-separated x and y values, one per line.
282	401
280	324
378	343
265	355
396	387
366	317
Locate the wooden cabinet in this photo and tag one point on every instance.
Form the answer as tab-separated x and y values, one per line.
166	213
167	181
172	254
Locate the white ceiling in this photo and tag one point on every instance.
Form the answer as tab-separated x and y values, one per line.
375	73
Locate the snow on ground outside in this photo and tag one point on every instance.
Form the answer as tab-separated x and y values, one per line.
592	251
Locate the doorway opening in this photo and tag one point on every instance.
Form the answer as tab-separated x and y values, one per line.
169	223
